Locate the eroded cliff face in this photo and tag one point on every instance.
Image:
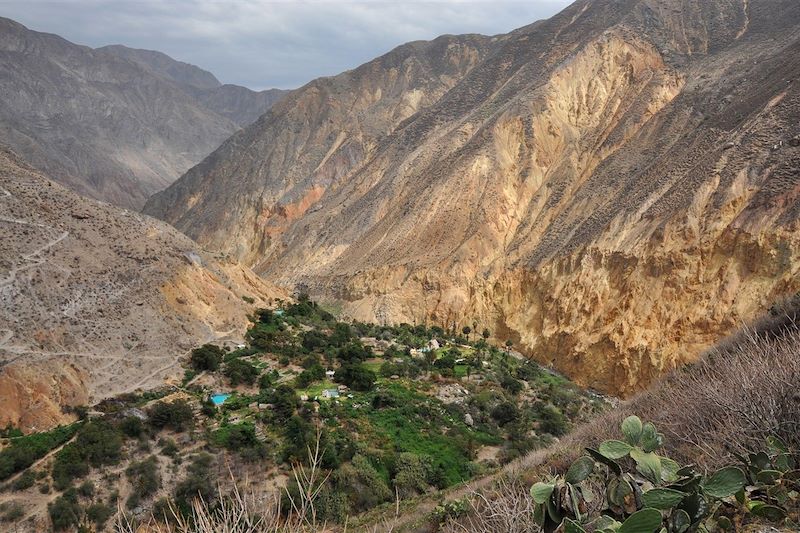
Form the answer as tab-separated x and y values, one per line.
276	170
96	301
613	189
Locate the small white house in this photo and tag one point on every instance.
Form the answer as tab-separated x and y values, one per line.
329	374
433	344
330	393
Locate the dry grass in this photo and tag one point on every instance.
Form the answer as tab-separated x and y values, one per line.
240	512
245	513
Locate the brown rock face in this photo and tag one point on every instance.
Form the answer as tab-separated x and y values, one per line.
96	300
613	188
113	123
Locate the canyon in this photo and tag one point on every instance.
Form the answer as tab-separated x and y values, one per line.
613	189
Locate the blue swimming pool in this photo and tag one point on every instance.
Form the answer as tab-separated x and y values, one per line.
219	399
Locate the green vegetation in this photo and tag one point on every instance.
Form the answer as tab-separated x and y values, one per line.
207	357
390	416
65	512
11	511
646	492
25	450
144	479
97	443
176	415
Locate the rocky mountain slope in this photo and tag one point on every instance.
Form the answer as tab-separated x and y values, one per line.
239	104
106	124
613	189
96	300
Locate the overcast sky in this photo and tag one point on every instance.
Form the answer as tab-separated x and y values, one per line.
261	44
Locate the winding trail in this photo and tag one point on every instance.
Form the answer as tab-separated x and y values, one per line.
31	259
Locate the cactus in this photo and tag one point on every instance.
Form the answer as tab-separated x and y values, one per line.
646	492
645	521
724	483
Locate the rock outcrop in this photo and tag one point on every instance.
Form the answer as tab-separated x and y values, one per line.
112	123
613	189
96	300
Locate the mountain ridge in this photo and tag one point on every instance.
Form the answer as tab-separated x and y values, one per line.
105	125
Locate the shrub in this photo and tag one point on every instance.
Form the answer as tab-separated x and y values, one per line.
552	420
132	427
196	484
144	479
168	448
65	511
86	489
505	412
412	472
176	415
99	513
207	357
512	385
363	485
24	481
11	511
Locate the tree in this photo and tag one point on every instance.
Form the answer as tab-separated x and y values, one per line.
299	437
486	334
207	357
356	376
466	330
241	371
354	352
509	344
99	443
285	401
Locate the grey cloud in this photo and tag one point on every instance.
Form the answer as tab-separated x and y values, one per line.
263	44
